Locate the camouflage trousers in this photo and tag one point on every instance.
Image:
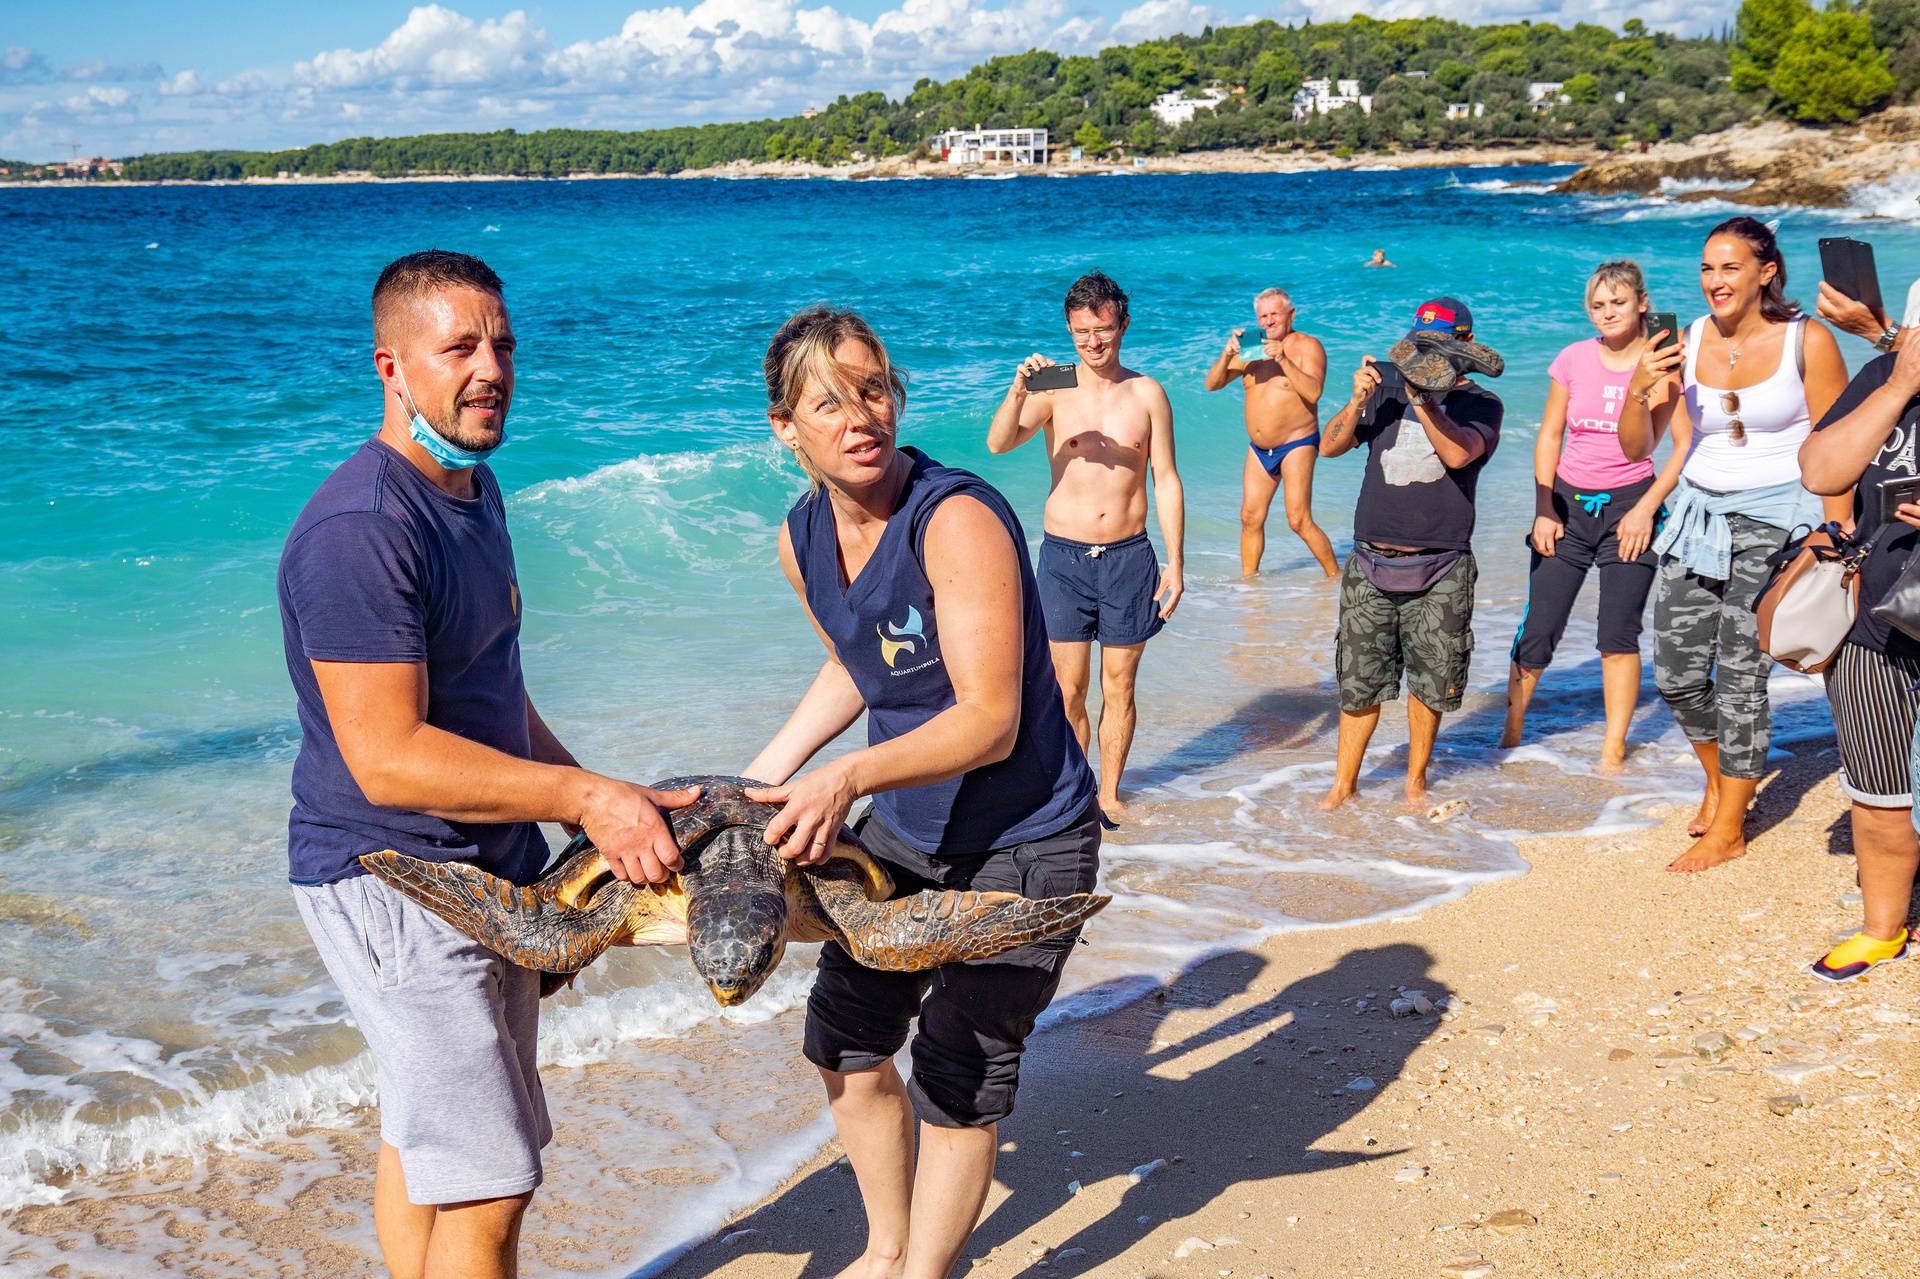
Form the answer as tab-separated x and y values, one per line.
1427	634
1706	650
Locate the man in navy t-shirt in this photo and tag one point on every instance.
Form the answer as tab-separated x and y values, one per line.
400	610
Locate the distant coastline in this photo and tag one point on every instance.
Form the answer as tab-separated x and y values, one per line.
896	168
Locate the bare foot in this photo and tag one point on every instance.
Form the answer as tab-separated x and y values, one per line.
1418	796
1336	797
1709	805
1709	851
1113	808
1510	737
871	1266
1333	575
1613	762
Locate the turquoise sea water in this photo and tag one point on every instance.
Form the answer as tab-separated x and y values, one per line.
186	365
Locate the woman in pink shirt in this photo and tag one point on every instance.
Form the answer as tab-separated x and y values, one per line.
1593	507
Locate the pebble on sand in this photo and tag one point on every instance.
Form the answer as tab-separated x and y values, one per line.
1713	1045
1789	1103
1467	1268
1146	1170
1511	1221
1412	1172
1361	1083
1190	1245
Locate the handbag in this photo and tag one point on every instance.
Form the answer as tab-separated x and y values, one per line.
1900	606
1807	607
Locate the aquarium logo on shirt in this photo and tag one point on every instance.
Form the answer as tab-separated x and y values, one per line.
907	639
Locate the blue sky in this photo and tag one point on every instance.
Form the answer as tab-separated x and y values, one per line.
116	77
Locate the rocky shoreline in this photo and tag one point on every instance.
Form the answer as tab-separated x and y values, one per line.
1773	163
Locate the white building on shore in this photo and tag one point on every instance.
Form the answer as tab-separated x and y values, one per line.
1177	108
1317	97
994	146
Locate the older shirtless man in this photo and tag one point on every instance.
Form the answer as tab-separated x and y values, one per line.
1098	576
1283	381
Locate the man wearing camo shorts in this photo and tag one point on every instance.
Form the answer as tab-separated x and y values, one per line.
1406	597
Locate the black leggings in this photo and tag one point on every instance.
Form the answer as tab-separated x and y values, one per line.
1554	580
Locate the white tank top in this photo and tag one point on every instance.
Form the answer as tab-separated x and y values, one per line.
1774	412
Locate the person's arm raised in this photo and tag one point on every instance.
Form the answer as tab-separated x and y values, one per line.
828	709
1308	375
1169	501
1229	366
1456	444
1022	412
973	567
1857	425
1655	385
1339	435
377	711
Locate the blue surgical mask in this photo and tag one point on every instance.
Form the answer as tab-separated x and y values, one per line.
439	447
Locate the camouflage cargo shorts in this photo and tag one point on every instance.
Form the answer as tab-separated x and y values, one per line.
1427	634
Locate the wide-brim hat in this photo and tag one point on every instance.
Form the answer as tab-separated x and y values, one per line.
1440	347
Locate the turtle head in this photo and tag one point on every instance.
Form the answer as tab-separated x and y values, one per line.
737	915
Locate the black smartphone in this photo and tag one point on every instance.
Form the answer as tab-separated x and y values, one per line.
1658	320
1054	377
1393	383
1893	492
1847	264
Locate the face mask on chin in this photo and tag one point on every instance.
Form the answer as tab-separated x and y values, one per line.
439	447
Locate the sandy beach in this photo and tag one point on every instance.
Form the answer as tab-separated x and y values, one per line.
1624	1073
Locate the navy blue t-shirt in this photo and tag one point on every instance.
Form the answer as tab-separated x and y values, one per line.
382	566
883	629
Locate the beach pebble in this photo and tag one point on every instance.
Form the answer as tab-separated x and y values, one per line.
1472	1267
1421	1004
1068	1254
1450	809
1713	1045
1659	1010
1360	1084
1795	1071
1412	1172
1510	1221
1146	1170
1190	1245
1073	1187
1619	1054
1402	1008
735	1236
1788	1104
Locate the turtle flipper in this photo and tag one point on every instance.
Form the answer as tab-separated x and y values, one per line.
528	927
913	934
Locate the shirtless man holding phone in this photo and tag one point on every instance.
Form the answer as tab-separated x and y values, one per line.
1283	372
1099	578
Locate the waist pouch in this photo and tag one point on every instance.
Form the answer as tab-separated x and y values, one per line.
1404	573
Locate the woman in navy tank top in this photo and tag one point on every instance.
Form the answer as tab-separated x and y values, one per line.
916	578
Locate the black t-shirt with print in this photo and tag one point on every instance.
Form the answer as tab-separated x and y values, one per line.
1892	542
1412	502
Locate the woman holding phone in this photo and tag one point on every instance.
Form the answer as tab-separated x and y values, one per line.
1754	375
1593	507
916	579
1864	449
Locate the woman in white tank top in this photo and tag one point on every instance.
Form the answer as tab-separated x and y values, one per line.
1753	376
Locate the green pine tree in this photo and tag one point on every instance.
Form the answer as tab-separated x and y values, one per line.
1829	68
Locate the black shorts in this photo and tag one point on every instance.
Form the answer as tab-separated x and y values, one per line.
1591	540
1105	592
974	1017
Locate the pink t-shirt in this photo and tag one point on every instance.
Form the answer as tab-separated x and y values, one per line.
1590	456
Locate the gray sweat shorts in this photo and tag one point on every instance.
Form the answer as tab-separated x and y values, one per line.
452	1029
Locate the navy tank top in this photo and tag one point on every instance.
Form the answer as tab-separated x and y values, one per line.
882	626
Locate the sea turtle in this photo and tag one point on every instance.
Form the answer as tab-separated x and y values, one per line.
735	903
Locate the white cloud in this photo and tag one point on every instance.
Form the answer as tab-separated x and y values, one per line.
670	64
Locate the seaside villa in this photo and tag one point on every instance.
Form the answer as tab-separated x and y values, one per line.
1176	108
1317	97
994	146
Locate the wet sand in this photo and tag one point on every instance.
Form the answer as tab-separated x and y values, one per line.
1567	1108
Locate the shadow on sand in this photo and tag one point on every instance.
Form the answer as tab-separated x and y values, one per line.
1231	1090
